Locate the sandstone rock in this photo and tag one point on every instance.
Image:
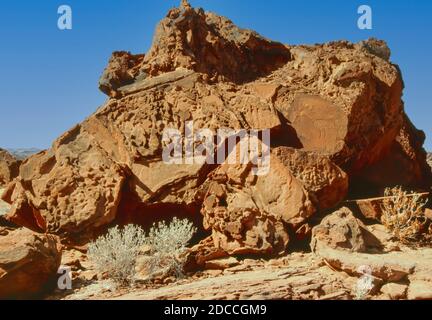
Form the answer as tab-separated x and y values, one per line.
75	186
121	71
201	253
339	104
321	177
376	47
369	208
429	159
279	193
213	45
340	230
380	239
9	167
367	135
420	290
28	262
247	231
342	242
392	267
395	291
4	207
372	208
221	264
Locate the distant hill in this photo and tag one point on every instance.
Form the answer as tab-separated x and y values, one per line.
23	153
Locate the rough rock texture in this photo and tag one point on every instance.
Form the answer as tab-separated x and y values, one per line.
4	207
340	230
9	167
325	182
404	274
122	70
372	208
429	159
28	261
334	112
395	291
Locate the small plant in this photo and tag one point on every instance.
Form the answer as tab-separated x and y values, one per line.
168	246
403	213
115	253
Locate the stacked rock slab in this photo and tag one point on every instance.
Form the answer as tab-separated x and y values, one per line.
334	112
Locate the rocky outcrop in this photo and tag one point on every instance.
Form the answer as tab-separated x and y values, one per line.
28	262
334	112
121	70
9	167
340	230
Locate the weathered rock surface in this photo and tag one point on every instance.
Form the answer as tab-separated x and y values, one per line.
372	208
340	230
4	207
334	112
28	262
9	167
283	278
295	276
395	291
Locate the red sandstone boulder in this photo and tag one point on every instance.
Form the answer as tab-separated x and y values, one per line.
338	104
28	263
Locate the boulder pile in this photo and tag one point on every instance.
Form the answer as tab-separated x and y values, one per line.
334	112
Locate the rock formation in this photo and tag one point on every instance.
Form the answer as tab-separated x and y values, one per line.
334	111
9	167
28	261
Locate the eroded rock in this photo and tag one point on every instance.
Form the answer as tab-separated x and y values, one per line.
339	104
28	262
9	167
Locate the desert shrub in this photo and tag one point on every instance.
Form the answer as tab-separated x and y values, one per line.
115	253
403	213
167	243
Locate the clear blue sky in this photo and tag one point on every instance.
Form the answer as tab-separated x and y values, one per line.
48	79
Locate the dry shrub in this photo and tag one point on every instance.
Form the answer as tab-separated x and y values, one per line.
168	243
115	254
403	214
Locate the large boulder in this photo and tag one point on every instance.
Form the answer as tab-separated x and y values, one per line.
9	167
352	112
28	263
338	104
340	231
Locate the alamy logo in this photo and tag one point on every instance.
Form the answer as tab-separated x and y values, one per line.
226	146
64	22
64	282
365	20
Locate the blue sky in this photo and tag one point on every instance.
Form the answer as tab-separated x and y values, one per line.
49	77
